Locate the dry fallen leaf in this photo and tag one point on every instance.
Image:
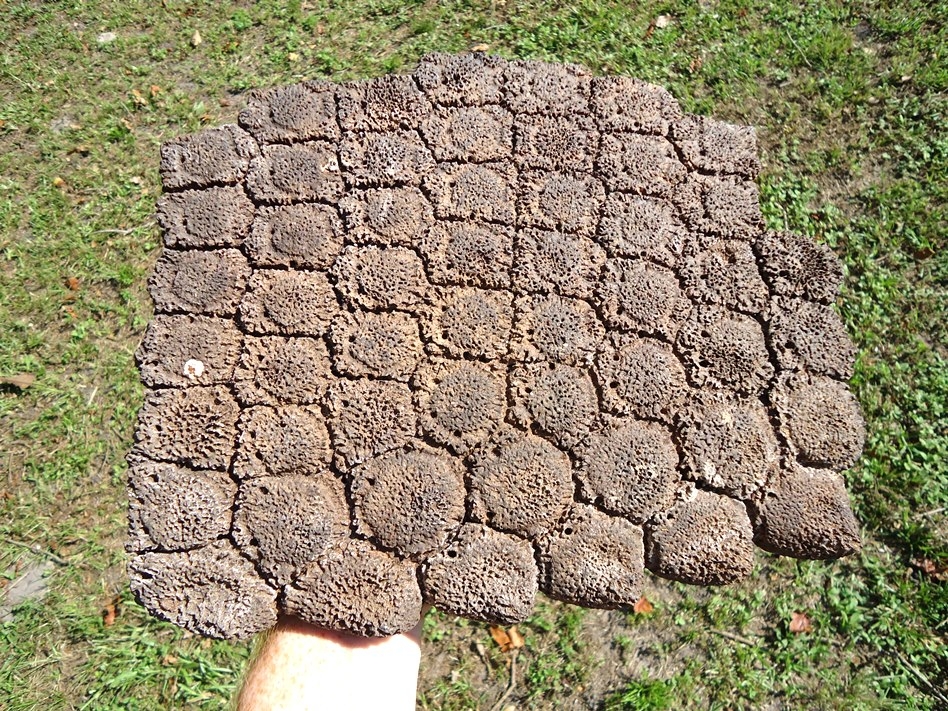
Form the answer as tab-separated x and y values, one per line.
800	623
59	182
642	606
72	283
480	47
695	64
663	21
169	660
507	640
21	381
501	637
108	614
196	39
932	569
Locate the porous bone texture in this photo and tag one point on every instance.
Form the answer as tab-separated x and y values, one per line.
455	337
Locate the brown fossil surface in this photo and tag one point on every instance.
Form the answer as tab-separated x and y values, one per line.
464	335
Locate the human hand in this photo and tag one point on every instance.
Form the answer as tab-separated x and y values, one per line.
302	668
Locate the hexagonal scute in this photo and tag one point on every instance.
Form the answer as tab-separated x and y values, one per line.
288	303
174	508
456	337
805	513
410	501
380	278
288	114
641	377
359	589
558	400
629	469
201	282
193	426
183	350
484	575
520	484
820	419
593	559
302	235
213	590
460	403
285	522
281	440
729	443
470	323
703	539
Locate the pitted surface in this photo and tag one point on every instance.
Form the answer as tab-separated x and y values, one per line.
456	337
284	522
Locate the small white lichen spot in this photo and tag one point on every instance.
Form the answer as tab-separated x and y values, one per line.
193	369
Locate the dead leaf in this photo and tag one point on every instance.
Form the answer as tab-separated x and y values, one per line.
21	381
108	615
642	606
196	39
932	569
501	637
138	99
59	182
480	47
154	90
169	660
663	21
507	640
72	283
696	64
800	623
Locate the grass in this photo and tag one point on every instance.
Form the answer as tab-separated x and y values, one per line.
850	102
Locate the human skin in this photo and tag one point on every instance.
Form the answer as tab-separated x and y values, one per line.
303	668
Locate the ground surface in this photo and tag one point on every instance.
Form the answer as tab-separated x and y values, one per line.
850	103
